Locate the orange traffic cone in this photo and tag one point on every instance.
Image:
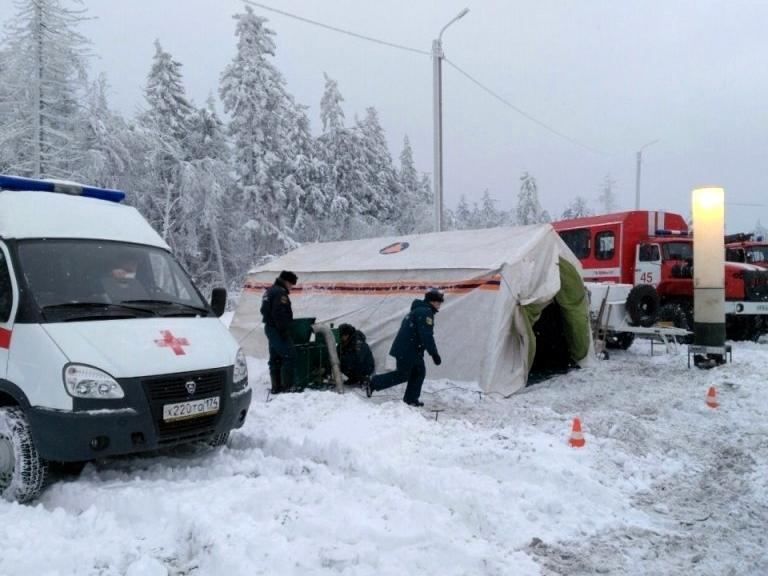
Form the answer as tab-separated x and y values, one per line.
577	438
711	397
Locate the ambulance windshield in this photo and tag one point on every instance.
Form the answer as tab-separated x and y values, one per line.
89	278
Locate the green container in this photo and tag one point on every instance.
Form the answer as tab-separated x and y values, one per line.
300	330
312	366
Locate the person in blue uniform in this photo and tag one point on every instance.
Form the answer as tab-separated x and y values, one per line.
355	357
416	335
277	315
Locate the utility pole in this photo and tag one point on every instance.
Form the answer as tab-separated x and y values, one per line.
637	172
437	144
437	103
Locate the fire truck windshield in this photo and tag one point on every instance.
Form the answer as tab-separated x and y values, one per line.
757	254
678	250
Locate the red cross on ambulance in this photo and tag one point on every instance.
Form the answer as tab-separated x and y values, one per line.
170	341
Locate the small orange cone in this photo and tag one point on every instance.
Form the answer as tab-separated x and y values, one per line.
577	438
711	397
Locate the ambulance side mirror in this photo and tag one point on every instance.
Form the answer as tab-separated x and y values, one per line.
219	301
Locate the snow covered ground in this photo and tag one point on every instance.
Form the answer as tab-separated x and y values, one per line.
318	483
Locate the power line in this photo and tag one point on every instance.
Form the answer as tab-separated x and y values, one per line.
335	29
425	53
522	112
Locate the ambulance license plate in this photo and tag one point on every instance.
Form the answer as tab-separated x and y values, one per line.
193	409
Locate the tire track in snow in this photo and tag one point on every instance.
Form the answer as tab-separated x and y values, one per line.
710	516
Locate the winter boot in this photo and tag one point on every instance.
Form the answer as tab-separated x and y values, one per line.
276	383
287	381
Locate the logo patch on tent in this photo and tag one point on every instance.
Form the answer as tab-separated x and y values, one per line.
394	248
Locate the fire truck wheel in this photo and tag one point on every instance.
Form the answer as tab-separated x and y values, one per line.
624	340
22	471
643	305
677	315
743	328
620	340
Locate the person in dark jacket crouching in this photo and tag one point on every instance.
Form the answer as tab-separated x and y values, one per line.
355	357
277	315
416	335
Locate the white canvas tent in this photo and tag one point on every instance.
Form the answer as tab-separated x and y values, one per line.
496	282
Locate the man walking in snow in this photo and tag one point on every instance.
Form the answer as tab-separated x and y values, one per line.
355	355
277	315
416	335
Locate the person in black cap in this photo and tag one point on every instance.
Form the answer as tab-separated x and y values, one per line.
416	335
277	314
355	357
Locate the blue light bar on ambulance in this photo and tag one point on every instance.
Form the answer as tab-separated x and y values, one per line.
72	188
663	232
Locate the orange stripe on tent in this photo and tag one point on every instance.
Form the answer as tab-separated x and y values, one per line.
488	283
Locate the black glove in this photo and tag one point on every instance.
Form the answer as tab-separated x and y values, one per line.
436	359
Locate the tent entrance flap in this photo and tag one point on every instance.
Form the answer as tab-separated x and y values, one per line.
558	330
552	353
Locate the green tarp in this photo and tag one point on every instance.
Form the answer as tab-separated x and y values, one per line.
573	303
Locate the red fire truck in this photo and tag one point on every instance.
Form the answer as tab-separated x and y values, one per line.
654	251
747	248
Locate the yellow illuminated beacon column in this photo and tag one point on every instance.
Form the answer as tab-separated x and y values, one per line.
709	268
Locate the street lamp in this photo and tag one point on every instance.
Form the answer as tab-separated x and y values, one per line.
708	206
437	93
637	173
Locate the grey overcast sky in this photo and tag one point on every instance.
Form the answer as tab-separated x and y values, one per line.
613	74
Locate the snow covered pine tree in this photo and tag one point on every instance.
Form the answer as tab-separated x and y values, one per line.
42	80
529	211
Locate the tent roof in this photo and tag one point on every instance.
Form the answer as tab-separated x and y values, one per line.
486	249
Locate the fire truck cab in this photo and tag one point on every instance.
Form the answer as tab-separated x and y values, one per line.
747	248
654	248
627	247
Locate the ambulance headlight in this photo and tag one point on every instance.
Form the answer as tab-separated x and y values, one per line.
83	381
240	376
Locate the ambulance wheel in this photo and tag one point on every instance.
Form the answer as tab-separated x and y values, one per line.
22	471
219	440
643	305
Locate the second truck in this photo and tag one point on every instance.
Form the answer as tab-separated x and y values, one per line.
653	250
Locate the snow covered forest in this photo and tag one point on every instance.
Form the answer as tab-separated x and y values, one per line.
243	176
231	181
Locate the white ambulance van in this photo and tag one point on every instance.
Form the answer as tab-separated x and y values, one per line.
106	345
